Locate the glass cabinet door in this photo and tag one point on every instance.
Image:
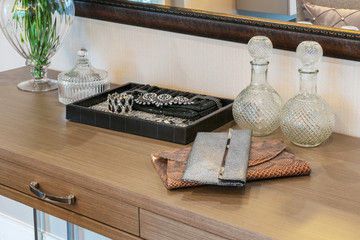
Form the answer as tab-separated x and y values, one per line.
18	221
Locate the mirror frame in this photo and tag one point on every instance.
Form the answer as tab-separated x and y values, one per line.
337	43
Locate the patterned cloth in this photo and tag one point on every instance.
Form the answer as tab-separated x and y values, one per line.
268	159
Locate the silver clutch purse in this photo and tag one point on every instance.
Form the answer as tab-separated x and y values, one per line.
219	158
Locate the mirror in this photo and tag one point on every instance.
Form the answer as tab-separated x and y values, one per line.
283	10
223	20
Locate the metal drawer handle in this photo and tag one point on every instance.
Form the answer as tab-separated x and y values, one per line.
34	188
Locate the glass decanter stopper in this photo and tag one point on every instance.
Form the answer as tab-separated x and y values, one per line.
258	106
306	119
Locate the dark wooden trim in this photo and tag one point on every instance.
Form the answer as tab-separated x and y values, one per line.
336	43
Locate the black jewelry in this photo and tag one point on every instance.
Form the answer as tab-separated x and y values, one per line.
163	99
216	100
146	98
120	103
182	100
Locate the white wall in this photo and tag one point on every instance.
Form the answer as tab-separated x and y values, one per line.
198	64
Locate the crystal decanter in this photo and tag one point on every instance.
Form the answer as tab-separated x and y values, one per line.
258	106
306	119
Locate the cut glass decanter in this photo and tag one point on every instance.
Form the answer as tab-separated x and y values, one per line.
306	119
258	106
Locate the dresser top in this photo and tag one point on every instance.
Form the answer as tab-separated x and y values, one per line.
324	205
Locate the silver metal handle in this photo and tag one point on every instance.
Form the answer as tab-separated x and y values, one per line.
34	188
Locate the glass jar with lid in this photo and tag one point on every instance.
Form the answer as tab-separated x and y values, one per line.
82	81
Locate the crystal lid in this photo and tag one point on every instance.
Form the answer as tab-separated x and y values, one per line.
83	71
260	48
309	53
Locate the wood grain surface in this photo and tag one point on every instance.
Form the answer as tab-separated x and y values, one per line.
66	215
88	203
154	226
325	205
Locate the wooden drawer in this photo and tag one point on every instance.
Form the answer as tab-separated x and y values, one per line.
88	203
154	226
66	215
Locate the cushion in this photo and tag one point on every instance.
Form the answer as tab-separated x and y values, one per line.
330	17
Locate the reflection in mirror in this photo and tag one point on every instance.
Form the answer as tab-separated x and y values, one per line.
284	10
335	13
330	13
220	19
148	1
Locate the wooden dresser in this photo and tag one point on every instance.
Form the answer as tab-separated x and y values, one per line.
119	194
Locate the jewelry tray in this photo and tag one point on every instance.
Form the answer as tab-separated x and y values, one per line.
82	112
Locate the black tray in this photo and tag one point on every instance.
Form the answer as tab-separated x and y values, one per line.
80	112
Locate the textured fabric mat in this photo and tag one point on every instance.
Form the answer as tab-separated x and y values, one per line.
268	159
